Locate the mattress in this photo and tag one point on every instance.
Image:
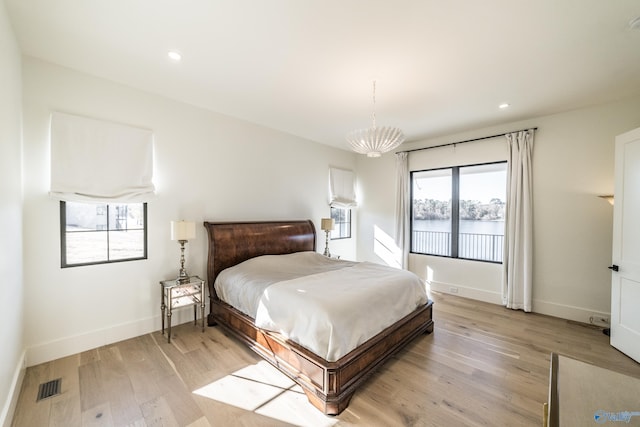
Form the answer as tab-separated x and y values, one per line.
326	305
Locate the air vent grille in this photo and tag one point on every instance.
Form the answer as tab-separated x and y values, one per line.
49	389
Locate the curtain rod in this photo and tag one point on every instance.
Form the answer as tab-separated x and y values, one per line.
463	142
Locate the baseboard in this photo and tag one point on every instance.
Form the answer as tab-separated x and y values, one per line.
9	407
570	312
563	311
466	292
67	346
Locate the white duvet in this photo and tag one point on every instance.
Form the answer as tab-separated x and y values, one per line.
328	306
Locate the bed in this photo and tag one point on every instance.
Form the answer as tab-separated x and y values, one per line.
329	385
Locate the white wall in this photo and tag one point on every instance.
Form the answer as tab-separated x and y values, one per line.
11	285
207	167
573	164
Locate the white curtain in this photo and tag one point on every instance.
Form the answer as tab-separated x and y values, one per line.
403	207
518	245
342	188
94	160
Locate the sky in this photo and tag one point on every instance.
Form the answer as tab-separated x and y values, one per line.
482	186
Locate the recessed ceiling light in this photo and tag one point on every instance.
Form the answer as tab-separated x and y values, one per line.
172	54
503	106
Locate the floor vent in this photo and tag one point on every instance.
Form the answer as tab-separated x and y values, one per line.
49	389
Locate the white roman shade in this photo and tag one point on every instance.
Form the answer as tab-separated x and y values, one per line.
342	188
95	160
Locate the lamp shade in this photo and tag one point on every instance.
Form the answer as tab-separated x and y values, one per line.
375	141
327	224
183	230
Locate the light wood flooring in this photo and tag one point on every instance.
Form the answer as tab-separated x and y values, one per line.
484	365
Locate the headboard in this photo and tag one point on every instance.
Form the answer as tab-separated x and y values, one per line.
230	243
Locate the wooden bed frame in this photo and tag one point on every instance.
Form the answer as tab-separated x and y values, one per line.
328	385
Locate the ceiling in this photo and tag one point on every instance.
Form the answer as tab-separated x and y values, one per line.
306	67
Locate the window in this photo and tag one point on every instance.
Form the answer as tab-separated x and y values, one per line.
93	233
458	212
342	219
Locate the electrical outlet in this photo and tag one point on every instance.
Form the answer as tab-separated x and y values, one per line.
598	320
453	290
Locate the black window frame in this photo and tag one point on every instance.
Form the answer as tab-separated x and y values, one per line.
63	237
339	223
455	211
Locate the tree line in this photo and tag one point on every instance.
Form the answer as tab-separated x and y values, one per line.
470	210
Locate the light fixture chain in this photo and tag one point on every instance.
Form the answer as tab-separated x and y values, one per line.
374	105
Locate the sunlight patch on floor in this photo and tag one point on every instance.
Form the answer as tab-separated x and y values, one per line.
263	389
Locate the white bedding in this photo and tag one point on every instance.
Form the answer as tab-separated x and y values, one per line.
328	306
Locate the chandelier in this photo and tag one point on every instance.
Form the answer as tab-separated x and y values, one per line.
375	140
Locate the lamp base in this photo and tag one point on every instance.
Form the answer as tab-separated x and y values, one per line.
326	245
183	277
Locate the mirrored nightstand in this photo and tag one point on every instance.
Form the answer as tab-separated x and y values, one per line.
176	294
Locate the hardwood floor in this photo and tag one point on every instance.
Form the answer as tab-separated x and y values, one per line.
484	365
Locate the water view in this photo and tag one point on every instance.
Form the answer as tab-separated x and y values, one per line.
473	227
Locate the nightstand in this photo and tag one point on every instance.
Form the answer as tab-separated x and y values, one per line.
176	294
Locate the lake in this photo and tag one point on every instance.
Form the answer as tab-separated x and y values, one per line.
471	227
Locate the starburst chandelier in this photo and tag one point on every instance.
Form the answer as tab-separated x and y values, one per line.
375	140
